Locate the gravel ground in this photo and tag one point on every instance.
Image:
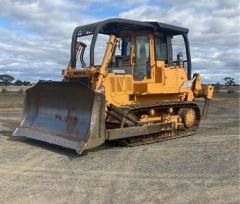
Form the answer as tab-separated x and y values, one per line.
200	169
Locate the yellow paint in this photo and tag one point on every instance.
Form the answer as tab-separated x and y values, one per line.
165	82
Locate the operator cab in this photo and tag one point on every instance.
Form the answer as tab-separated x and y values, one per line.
145	47
137	53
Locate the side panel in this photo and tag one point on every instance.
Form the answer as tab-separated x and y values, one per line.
118	88
97	125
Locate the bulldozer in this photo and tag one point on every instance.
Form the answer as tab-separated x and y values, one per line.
140	93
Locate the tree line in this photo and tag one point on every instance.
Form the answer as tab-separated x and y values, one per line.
6	79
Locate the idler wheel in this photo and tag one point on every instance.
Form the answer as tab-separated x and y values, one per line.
188	116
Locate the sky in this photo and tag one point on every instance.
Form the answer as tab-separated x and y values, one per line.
35	35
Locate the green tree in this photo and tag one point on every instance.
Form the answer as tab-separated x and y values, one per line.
26	83
6	79
18	83
229	81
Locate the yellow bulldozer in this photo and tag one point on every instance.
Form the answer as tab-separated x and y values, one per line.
140	92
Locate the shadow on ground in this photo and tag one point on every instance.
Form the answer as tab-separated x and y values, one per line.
71	154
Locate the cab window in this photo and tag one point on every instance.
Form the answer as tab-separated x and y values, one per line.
126	47
141	68
160	48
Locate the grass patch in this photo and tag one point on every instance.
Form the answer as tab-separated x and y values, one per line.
4	90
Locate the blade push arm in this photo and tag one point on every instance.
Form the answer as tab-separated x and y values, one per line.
205	92
106	59
200	91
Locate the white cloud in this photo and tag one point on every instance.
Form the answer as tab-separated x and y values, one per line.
36	41
214	34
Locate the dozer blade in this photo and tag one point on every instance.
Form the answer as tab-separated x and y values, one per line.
68	114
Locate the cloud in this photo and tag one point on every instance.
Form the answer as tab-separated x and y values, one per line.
35	35
214	34
36	42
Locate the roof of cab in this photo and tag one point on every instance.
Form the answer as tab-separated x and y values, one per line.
116	25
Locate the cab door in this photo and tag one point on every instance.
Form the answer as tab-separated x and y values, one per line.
142	58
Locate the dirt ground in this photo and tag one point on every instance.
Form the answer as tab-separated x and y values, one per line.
200	169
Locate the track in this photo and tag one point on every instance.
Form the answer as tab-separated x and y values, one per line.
164	135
